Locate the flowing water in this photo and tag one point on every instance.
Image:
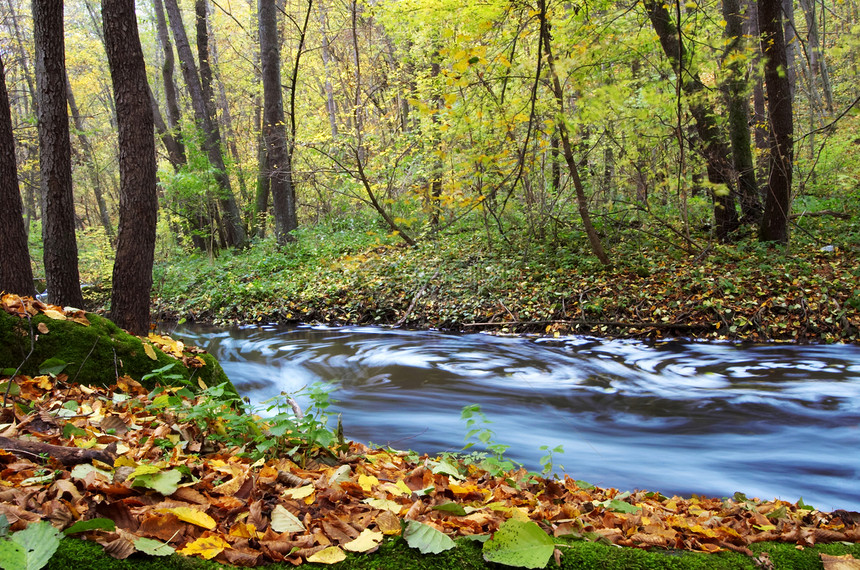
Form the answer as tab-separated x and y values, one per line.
676	417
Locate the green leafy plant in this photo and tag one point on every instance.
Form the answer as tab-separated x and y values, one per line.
28	549
476	421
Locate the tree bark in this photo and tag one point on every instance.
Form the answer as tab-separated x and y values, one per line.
16	273
58	206
278	157
174	115
138	203
739	112
774	225
231	218
91	166
714	148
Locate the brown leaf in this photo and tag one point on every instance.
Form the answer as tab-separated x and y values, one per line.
846	562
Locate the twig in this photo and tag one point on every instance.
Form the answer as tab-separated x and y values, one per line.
416	297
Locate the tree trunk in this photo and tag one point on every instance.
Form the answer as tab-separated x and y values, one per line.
325	53
555	84
174	115
232	219
714	147
739	111
277	152
774	225
90	161
16	273
815	54
58	206
138	203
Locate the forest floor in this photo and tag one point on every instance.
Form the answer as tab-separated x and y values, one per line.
184	470
655	288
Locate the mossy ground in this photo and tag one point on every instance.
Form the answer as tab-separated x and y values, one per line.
76	554
96	354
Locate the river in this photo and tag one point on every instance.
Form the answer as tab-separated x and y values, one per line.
771	421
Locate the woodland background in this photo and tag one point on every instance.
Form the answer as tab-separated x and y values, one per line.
573	129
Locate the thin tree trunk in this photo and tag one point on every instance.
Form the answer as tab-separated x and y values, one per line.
555	85
175	149
277	151
90	161
58	206
174	115
774	226
16	273
231	219
715	148
738	104
325	52
138	203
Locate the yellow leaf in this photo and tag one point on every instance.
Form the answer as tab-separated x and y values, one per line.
150	352
207	547
193	516
300	492
388	523
330	555
399	490
367	482
385	505
244	530
367	540
285	521
54	314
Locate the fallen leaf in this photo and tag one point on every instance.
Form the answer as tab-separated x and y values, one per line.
845	562
330	555
285	521
367	540
207	547
150	352
193	516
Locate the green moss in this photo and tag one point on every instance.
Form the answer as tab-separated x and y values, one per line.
394	554
94	354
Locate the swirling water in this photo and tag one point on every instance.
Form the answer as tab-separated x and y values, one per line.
771	421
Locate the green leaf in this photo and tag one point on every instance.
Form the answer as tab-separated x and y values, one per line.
804	506
521	544
453	508
4	526
14	390
37	543
426	539
52	366
92	524
443	467
70	429
153	547
618	506
164	482
12	556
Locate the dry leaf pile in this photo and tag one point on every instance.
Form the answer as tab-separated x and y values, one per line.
213	503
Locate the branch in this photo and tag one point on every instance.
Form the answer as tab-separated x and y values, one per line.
63	454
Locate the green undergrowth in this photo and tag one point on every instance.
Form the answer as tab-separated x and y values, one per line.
394	554
656	287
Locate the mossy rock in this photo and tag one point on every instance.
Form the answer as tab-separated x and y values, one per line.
94	354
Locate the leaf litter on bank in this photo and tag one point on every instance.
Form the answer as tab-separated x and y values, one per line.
262	520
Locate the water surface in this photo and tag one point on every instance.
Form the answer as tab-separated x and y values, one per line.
772	421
